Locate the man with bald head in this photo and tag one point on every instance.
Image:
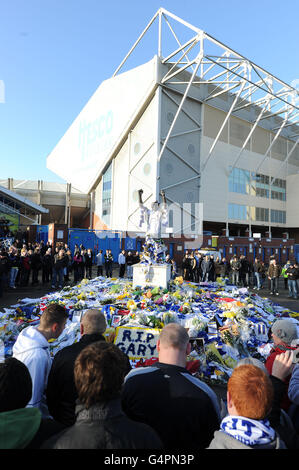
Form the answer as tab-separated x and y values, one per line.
183	410
61	391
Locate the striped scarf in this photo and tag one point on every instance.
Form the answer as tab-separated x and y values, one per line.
248	431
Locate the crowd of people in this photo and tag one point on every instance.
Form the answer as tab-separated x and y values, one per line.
25	264
28	264
89	397
242	272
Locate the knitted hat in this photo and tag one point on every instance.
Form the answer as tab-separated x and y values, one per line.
286	330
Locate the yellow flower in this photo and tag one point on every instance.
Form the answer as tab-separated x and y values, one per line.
177	294
131	305
218	372
294	314
81	296
121	296
110	334
229	315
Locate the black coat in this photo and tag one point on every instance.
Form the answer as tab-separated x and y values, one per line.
88	259
245	266
4	265
104	426
60	263
293	273
282	425
48	428
14	261
47	262
61	391
36	261
129	260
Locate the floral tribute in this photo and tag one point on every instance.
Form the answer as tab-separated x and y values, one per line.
224	323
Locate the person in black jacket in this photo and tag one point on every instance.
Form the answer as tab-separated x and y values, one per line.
100	422
47	266
4	267
108	261
212	276
186	267
293	274
136	258
36	264
245	270
61	391
182	409
88	263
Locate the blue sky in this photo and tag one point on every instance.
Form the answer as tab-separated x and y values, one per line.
54	54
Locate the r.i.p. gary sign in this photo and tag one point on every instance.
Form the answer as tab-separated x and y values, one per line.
137	343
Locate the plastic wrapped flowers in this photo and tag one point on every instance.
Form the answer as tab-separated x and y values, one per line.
224	323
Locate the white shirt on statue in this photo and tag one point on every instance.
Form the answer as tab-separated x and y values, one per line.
154	218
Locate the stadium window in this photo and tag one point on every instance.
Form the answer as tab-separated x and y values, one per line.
106	195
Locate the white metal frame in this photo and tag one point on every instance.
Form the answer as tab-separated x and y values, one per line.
209	61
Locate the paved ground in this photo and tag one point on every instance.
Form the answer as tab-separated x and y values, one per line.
12	296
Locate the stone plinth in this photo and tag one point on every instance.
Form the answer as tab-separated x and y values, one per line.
156	275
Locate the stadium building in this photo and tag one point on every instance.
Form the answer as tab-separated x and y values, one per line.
17	213
218	133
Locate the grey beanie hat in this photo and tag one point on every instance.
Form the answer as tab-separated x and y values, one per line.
286	330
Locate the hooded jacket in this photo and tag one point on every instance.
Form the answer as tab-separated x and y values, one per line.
24	428
18	427
32	348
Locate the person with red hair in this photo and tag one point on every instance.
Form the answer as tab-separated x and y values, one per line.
249	402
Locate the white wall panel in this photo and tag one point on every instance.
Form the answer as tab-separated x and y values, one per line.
97	131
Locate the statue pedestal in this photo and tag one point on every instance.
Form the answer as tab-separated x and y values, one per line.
156	275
